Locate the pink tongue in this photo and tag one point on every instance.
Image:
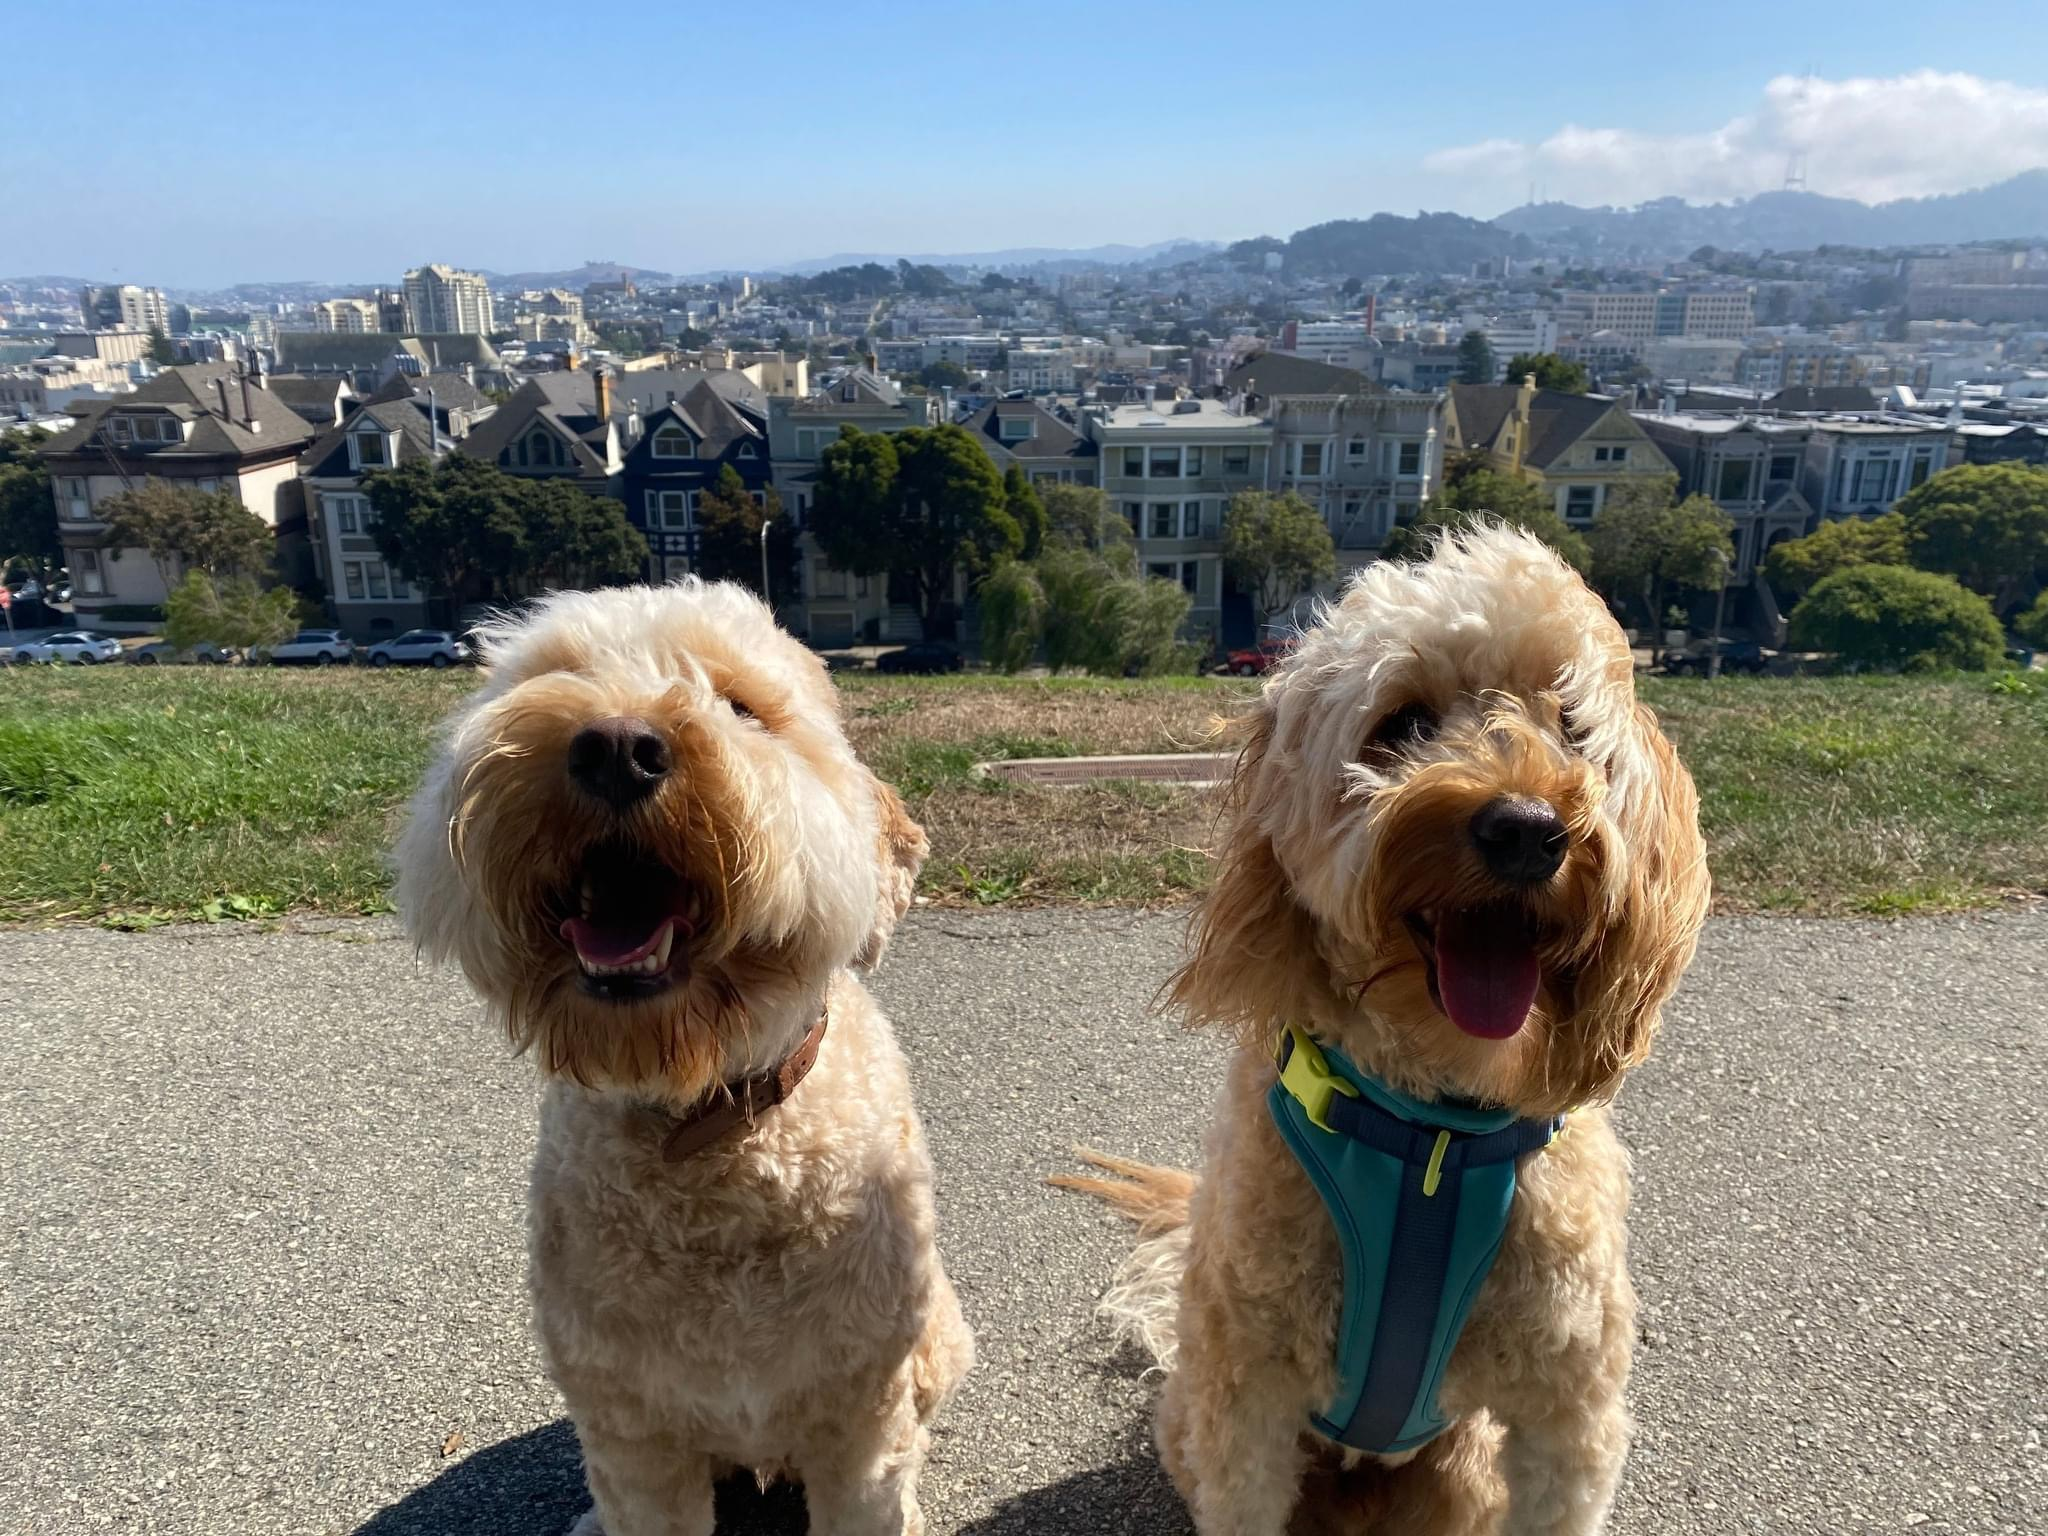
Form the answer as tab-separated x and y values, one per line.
1486	971
611	946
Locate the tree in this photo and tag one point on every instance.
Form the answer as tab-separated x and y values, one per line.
28	515
228	611
1643	543
1081	515
729	523
2032	626
469	532
1552	372
1984	524
184	529
1475	358
1889	616
1021	501
922	505
1471	495
161	350
1012	615
1276	547
1796	565
944	375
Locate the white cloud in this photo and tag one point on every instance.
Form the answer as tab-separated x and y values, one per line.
1907	136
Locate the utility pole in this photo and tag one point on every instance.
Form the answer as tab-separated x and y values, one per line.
1720	604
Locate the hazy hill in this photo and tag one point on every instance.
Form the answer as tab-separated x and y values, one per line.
1387	244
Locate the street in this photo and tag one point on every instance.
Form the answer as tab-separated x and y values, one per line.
261	1199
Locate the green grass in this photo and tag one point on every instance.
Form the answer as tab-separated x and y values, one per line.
134	797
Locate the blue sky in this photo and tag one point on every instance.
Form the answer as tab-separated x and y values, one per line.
285	140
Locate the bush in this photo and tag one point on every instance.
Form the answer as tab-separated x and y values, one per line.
231	611
1889	616
1012	616
2032	626
1796	566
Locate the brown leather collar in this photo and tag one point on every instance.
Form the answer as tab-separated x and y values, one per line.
737	1103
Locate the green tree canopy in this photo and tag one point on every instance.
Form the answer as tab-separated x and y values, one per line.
228	610
2032	626
28	515
1552	372
182	529
470	533
1794	566
161	350
1475	358
1081	515
921	504
1984	524
1644	543
729	523
1012	615
1475	494
1026	509
944	375
1276	547
1889	616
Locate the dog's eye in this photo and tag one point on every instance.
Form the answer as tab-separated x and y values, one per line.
1573	731
1408	726
739	707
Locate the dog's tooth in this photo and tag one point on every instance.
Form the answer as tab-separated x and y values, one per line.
663	945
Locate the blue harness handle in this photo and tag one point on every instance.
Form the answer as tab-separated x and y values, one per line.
1418	1195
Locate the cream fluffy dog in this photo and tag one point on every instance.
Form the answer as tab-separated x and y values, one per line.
1358	898
652	850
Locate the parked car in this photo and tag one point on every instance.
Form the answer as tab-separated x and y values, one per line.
926	656
162	653
78	645
1736	656
312	648
418	648
1258	660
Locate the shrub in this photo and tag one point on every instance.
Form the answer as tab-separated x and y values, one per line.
1797	565
1889	616
2032	626
1012	616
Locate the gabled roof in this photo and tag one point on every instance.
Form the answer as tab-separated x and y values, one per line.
856	389
1051	438
1276	373
319	397
648	389
452	392
255	424
1556	420
566	402
299	351
328	457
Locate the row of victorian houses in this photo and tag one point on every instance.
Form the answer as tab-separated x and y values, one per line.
294	448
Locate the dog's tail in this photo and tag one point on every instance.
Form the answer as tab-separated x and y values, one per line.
1142	1304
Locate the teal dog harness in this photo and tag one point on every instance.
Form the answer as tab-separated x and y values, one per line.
1419	1196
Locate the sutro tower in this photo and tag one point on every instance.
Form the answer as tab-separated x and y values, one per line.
1795	162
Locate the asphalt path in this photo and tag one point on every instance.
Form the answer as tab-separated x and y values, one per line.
260	1233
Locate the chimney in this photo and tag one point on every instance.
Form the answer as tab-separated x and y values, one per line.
1151	397
871	364
220	383
601	378
248	410
433	425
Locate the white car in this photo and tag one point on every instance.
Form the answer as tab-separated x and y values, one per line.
74	645
419	648
313	648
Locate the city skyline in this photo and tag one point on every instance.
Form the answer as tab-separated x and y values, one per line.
918	129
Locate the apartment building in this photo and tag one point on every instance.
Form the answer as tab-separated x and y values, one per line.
49	384
1860	466
1749	466
1341	343
1509	335
125	307
210	428
1716	314
439	298
1815	362
1578	449
1170	467
104	346
550	314
1042	370
354	316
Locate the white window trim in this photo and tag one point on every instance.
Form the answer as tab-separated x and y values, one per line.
671	430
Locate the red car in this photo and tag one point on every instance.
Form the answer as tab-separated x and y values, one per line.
1261	658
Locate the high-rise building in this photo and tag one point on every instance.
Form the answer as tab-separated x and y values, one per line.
345	315
125	307
1714	315
441	299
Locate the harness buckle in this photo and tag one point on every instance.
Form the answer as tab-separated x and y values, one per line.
1306	1075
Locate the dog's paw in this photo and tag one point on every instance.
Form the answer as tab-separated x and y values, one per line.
588	1525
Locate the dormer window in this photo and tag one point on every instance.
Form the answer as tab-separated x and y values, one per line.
370	450
746	450
1017	429
674	443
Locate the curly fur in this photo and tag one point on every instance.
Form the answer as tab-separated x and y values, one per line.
1335	839
775	1302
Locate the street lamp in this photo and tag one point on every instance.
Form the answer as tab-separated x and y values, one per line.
1722	560
766	524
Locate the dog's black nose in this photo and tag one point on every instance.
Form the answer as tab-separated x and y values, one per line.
620	760
1521	840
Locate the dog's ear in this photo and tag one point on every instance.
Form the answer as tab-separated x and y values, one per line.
899	854
1253	963
433	901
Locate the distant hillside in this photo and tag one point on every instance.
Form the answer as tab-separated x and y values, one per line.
1022	256
2015	209
576	279
1387	245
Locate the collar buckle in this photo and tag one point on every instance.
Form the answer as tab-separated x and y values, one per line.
1306	1075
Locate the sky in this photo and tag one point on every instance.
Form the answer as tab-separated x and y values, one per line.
283	140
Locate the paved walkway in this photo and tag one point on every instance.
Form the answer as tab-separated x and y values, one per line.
260	1234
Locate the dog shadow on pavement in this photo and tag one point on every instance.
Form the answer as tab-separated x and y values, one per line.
532	1485
1131	1497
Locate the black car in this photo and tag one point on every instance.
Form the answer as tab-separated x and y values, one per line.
924	657
1736	656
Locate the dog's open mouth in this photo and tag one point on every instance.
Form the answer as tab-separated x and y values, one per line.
634	921
1484	966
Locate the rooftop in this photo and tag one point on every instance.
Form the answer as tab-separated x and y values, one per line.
1180	416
